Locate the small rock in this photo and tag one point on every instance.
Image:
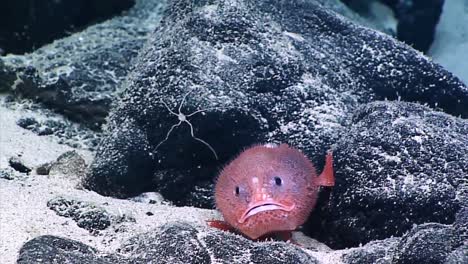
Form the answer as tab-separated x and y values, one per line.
44	169
6	174
18	164
86	215
93	220
149	197
69	164
27	122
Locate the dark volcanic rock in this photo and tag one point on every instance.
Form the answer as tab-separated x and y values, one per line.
43	169
279	71
174	243
380	251
69	164
231	248
52	249
26	25
86	215
428	243
79	75
400	164
17	164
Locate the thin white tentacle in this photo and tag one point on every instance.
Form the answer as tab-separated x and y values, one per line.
202	110
168	109
168	133
201	140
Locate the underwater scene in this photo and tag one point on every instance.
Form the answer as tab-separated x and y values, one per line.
234	131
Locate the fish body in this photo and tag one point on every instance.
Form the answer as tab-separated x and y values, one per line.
269	188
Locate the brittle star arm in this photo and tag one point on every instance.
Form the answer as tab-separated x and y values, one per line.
201	140
168	134
202	110
168	109
183	101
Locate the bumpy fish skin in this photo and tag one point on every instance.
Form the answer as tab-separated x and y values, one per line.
269	188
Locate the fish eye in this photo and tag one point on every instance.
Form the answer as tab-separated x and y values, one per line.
237	191
278	181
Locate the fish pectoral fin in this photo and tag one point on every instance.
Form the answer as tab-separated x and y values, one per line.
327	177
221	225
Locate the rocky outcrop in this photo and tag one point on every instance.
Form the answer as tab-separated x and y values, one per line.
79	75
398	165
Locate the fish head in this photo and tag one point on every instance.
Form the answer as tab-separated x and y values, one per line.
267	188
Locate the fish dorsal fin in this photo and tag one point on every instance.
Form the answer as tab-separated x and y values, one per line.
327	177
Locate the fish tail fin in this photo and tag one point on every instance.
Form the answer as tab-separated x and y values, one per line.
327	177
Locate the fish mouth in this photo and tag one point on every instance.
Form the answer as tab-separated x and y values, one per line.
264	207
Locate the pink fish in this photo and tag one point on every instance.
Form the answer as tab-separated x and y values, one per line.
269	189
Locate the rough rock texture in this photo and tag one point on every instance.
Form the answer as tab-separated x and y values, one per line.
69	164
428	243
85	214
26	25
380	251
174	243
458	256
399	164
52	249
79	75
461	219
280	71
180	242
18	165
